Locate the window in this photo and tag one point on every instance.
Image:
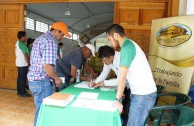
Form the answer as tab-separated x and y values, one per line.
73	36
29	23
41	27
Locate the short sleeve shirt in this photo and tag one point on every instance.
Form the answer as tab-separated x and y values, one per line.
74	57
23	47
44	51
128	53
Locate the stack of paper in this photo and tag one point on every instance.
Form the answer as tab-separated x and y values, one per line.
88	95
83	84
58	99
103	105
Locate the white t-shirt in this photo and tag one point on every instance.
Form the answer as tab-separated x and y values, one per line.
106	70
20	50
139	76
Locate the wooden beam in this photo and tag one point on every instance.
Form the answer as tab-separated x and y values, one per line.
173	8
54	1
137	27
116	13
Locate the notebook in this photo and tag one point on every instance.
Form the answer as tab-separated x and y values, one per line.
58	99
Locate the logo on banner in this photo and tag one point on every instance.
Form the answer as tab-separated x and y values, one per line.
173	35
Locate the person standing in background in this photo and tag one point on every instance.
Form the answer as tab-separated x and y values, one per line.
22	62
42	75
59	51
29	45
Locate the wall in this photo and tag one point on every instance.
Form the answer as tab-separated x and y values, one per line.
33	33
68	43
182	7
190	7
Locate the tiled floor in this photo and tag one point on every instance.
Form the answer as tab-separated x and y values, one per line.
15	110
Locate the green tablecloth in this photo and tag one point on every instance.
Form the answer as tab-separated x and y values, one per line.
74	116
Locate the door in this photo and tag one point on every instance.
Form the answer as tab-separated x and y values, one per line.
11	21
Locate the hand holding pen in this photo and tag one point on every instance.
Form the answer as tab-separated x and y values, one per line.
91	81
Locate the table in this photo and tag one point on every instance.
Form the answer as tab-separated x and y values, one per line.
74	116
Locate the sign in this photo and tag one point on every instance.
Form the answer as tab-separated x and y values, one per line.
171	53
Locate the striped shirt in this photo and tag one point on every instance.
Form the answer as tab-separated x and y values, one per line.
44	51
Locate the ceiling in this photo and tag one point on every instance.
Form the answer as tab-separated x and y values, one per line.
81	13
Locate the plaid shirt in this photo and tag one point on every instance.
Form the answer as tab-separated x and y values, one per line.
44	51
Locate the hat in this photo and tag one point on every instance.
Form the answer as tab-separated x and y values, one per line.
62	27
91	47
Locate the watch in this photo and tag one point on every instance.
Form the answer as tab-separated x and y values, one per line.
119	99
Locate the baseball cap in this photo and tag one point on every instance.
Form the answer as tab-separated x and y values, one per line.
91	47
62	27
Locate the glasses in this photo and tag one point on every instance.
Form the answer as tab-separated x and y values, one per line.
104	59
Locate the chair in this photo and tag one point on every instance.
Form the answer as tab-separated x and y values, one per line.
160	88
170	100
185	115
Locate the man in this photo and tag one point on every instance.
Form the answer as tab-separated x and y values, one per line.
111	60
135	68
43	60
22	62
68	65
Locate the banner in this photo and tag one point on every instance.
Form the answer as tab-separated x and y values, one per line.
171	52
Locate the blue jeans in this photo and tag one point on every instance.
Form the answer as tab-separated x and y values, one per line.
40	89
140	106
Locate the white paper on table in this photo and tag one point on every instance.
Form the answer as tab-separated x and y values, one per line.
88	95
103	105
83	84
107	88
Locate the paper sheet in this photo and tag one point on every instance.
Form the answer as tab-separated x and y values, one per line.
103	105
107	88
88	95
83	84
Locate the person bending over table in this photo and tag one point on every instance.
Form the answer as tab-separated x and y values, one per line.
68	65
111	60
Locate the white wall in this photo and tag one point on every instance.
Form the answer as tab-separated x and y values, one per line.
182	7
190	7
186	7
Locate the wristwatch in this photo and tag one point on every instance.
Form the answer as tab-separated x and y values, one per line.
119	99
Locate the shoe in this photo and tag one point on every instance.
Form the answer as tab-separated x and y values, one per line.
24	95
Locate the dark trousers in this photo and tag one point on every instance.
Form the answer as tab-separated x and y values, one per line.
126	104
21	80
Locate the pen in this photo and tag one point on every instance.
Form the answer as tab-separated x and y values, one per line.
90	80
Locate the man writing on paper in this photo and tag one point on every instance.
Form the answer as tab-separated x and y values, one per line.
68	65
111	60
135	69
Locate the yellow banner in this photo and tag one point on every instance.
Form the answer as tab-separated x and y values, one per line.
171	53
